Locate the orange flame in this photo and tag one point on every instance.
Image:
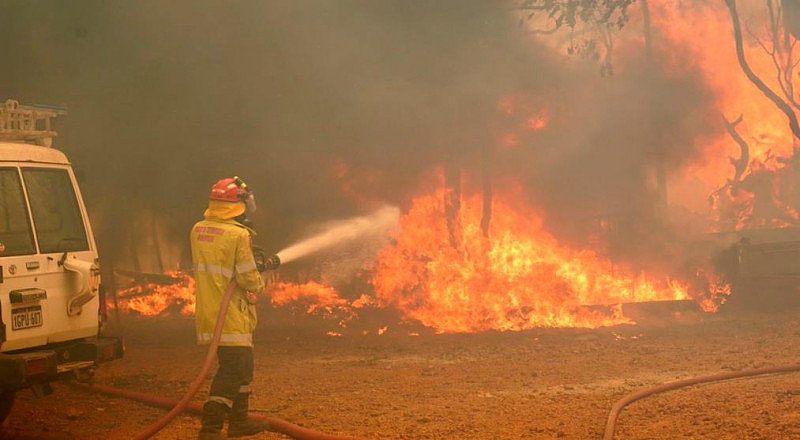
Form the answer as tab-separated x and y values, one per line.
159	299
519	114
315	297
318	299
704	35
716	293
537	122
519	277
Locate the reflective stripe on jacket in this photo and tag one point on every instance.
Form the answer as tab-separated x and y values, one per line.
221	249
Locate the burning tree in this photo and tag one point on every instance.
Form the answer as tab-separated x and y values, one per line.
595	21
763	191
476	253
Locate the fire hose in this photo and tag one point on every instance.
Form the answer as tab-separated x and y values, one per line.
632	397
178	406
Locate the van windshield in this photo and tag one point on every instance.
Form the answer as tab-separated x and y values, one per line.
15	229
56	215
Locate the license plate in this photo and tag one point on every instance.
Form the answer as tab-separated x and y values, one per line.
26	317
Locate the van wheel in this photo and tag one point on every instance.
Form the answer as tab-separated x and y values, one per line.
84	375
6	402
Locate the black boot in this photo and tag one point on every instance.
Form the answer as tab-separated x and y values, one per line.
239	424
213	420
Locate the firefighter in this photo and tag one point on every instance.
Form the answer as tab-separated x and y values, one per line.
222	250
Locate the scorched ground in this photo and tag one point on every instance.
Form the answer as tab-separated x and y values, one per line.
534	384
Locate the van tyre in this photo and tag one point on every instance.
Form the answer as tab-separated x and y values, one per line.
84	375
6	402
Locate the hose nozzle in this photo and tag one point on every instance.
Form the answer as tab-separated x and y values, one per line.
263	262
273	262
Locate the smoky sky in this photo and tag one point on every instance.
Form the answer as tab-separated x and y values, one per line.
167	97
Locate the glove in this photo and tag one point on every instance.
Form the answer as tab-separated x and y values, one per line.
252	298
272	262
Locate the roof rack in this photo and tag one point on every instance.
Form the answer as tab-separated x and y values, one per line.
28	123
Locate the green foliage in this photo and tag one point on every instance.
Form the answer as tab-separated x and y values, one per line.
595	20
606	13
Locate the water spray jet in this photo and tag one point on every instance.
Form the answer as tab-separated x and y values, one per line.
341	232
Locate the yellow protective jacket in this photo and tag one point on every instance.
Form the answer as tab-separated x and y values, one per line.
222	249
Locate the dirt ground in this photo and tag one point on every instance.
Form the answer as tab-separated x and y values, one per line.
537	384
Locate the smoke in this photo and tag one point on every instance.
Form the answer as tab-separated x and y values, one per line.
604	161
167	97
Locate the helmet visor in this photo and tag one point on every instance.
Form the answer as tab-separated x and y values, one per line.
250	203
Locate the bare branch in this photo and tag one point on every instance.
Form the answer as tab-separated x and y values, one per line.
770	52
783	54
781	104
598	18
740	164
544	31
774	54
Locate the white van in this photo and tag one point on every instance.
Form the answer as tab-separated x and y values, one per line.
51	298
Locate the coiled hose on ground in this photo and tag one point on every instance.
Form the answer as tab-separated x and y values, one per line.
178	406
632	397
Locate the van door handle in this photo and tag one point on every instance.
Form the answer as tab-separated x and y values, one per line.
87	283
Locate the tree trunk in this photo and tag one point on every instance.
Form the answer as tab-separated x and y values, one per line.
741	163
134	249
791	17
486	213
452	202
156	242
661	172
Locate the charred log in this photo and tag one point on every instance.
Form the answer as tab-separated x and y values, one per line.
148	278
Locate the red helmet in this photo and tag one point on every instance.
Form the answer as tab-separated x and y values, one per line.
231	189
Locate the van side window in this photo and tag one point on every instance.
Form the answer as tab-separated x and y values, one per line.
15	229
56	215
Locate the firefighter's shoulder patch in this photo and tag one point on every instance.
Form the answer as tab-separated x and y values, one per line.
204	237
209	230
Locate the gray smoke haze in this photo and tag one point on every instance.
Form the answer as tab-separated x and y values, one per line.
167	97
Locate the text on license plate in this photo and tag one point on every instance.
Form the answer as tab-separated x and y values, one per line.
26	317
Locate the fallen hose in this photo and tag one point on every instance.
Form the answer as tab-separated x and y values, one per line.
282	426
195	385
632	397
178	406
